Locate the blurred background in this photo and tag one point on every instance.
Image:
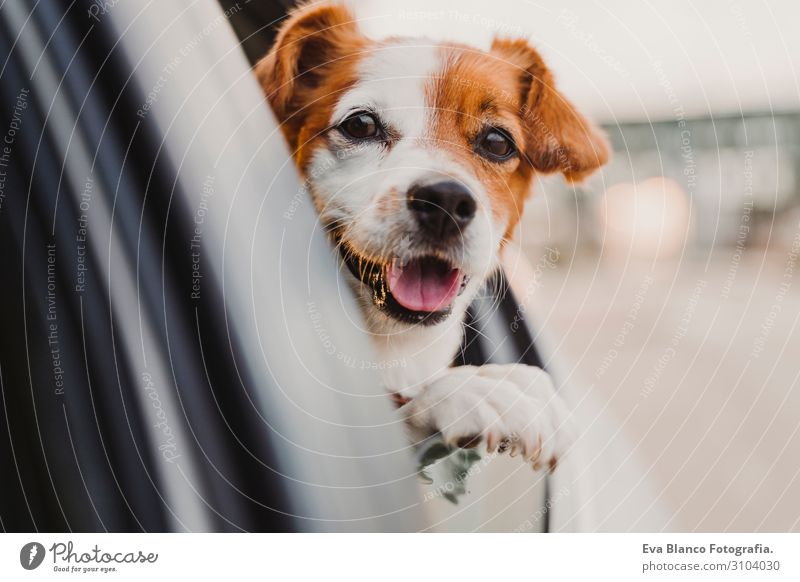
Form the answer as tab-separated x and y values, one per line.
665	287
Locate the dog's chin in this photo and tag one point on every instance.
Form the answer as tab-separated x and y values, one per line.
395	297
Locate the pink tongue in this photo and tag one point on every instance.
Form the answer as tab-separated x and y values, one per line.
424	285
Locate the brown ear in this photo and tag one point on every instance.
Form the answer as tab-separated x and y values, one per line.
311	44
558	138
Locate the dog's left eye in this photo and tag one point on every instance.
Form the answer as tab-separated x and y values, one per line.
497	145
360	126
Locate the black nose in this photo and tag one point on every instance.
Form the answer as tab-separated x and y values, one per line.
443	209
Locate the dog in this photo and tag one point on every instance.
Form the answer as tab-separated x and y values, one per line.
419	157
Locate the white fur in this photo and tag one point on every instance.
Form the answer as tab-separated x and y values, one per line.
393	79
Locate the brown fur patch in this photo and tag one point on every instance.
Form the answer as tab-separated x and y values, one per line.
511	87
313	61
558	138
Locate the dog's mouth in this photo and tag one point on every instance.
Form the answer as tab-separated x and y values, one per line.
417	290
425	284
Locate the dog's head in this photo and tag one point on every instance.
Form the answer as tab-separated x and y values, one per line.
419	155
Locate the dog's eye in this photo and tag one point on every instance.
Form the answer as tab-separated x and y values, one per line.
360	126
497	145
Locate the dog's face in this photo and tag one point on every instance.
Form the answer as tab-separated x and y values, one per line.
419	156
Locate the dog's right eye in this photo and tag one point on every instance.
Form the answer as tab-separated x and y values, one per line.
360	126
497	145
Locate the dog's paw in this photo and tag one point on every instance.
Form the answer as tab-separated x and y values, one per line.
511	407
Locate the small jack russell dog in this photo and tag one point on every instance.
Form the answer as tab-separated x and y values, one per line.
419	157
